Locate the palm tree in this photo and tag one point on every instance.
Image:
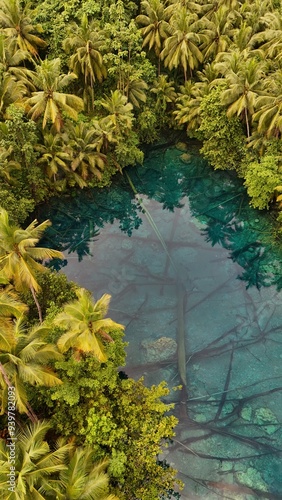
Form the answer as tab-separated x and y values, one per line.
270	38
227	62
103	130
155	19
60	471
35	462
253	11
217	32
188	104
15	83
19	256
135	91
85	158
10	308
10	305
53	155
7	165
17	25
84	43
269	107
11	60
243	89
85	324
24	358
165	93
11	91
82	479
119	111
181	47
49	101
244	39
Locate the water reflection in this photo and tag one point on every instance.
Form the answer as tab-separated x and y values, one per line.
229	439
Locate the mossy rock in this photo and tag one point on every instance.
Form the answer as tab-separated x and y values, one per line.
246	413
267	419
252	479
186	158
181	146
159	350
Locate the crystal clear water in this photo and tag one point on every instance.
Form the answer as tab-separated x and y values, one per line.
188	263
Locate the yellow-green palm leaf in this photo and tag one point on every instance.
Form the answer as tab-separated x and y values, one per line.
20	258
35	462
25	358
49	101
85	324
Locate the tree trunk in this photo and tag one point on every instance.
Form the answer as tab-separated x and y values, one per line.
5	376
37	303
247	123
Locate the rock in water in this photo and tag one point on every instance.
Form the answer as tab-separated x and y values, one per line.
186	158
159	350
181	146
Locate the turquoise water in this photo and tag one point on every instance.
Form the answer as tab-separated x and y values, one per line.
188	263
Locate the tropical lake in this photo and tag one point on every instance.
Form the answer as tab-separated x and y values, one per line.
196	279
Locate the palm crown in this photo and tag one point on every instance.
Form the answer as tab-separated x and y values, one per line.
49	101
19	255
23	360
18	27
86	325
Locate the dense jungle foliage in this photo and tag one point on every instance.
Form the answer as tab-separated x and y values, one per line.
84	84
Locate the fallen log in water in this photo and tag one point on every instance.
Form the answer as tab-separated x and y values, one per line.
181	347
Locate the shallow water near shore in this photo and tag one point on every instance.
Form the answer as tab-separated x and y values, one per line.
187	260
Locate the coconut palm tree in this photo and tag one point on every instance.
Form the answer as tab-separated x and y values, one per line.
35	462
86	160
12	61
253	11
24	358
135	91
19	256
82	479
85	324
103	130
17	26
11	91
270	38
53	155
269	107
10	307
154	18
188	104
119	111
7	165
49	102
84	43
165	93
227	62
243	38
244	87
58	471
181	48
216	32
86	40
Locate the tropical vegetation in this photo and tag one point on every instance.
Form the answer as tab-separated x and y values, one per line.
84	85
